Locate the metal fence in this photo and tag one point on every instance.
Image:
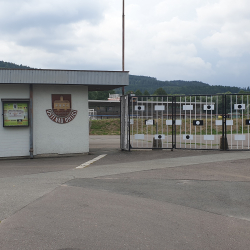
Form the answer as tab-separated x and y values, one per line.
217	122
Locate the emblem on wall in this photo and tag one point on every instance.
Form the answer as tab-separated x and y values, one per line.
61	111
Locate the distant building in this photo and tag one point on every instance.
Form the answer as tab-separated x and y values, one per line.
114	97
105	108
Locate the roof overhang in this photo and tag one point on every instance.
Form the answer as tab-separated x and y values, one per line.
95	80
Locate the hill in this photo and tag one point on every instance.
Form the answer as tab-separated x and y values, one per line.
8	65
150	84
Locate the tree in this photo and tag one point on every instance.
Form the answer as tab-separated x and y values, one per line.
92	95
138	92
160	91
100	95
8	65
146	93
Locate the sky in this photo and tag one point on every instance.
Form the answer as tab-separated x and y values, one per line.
191	40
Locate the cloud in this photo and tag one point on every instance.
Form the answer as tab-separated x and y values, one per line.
167	47
204	40
231	41
229	25
48	14
47	24
75	44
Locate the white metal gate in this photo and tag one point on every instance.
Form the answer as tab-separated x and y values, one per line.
217	122
198	122
148	116
237	120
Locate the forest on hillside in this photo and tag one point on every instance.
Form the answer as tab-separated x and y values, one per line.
8	65
177	87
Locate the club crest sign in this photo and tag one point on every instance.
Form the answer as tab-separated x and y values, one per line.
61	111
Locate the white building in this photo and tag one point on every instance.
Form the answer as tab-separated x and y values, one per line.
36	118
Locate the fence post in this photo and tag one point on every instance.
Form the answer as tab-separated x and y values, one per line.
173	123
223	142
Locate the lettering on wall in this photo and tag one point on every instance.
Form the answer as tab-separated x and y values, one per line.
61	111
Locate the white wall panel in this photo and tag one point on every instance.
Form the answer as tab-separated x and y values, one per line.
54	138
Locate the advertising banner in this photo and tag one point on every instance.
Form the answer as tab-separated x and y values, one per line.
16	114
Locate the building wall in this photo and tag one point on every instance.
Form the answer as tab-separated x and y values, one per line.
14	141
49	137
54	138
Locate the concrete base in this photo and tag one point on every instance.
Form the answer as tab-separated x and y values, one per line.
157	143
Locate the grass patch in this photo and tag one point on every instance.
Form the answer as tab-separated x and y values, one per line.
105	127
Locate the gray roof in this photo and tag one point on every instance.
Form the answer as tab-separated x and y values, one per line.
95	80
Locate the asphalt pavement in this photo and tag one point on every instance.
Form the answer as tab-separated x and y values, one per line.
144	199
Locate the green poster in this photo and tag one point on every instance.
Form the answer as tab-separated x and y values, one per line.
15	114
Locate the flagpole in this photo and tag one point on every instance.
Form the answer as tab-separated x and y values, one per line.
123	41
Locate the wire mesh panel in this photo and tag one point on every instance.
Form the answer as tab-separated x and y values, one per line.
151	122
199	122
237	121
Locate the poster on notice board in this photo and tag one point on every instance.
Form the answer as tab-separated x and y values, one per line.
16	114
